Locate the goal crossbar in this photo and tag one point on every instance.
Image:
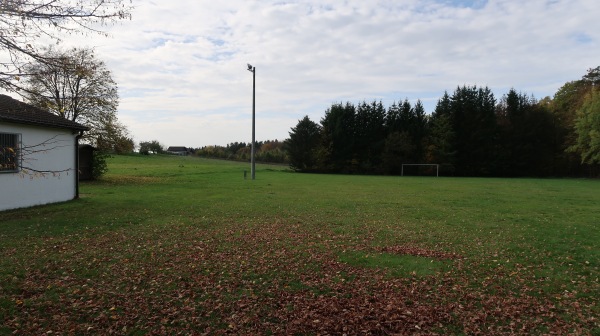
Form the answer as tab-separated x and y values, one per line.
437	167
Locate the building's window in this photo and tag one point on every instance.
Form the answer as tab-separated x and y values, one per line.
9	152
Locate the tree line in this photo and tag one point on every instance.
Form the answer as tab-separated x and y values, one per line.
270	151
470	133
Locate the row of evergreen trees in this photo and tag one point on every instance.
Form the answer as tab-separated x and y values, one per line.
470	133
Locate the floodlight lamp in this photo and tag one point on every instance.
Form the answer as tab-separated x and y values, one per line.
250	67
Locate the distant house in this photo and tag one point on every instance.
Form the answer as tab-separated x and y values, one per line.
177	150
38	156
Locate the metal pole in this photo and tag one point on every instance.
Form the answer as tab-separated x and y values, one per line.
253	173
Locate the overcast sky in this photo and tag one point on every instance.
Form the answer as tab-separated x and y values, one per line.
183	79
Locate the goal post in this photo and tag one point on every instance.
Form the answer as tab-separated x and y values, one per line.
437	167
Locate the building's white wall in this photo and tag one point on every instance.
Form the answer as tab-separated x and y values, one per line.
55	153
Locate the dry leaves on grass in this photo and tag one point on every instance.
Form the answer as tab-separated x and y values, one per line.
277	278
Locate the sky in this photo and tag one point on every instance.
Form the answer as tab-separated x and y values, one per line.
181	65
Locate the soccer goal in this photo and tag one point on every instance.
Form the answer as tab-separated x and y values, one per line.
437	167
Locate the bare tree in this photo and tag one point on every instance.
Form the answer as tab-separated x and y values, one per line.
76	86
25	22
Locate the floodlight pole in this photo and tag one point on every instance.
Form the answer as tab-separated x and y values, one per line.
252	149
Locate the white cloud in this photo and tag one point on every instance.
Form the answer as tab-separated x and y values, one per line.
181	64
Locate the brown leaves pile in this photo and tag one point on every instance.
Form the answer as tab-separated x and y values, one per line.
276	278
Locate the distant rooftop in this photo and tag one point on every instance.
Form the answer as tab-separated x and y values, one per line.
177	149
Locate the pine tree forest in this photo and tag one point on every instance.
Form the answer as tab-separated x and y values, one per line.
470	133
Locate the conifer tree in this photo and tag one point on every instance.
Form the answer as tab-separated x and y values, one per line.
302	145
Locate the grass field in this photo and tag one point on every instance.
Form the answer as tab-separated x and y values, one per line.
168	245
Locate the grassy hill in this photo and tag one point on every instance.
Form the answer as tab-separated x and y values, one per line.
167	244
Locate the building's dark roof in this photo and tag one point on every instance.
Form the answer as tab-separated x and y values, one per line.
14	111
176	149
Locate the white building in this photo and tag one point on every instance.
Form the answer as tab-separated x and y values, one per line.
38	156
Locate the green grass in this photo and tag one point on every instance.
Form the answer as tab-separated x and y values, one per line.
181	243
397	265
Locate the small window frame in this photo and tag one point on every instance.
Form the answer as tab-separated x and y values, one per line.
10	152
